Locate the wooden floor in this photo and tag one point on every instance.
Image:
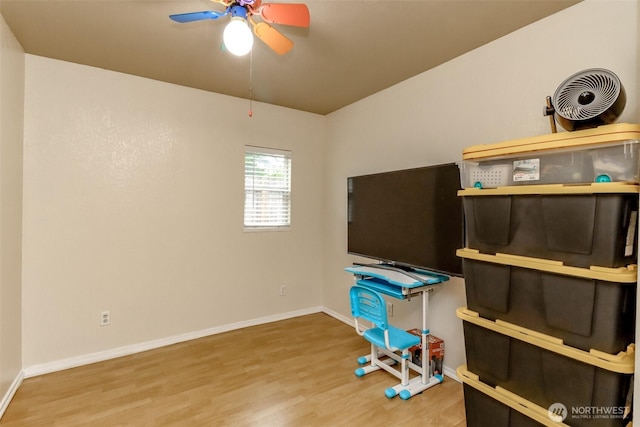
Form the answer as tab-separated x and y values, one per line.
296	372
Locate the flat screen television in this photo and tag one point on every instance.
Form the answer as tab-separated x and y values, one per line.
410	218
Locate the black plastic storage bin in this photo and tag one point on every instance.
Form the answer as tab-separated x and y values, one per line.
581	226
484	411
489	407
545	373
584	308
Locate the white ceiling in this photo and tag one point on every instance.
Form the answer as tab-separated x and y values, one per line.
351	50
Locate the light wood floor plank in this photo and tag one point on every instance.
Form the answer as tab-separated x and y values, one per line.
295	372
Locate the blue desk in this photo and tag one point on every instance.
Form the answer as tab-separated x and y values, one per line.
395	282
401	284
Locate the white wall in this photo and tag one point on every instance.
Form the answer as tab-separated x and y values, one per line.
133	203
492	94
11	114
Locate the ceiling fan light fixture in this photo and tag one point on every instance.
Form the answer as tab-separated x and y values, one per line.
237	36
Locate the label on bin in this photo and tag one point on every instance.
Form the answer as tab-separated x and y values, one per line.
526	170
631	232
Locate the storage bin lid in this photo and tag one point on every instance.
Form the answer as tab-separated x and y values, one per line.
607	134
622	362
627	274
551	189
508	398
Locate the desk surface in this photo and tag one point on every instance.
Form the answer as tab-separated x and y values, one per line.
399	278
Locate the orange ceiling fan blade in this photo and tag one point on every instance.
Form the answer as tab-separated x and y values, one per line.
295	14
272	38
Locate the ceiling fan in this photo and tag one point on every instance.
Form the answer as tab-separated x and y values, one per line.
237	35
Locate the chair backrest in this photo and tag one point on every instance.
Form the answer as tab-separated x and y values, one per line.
369	305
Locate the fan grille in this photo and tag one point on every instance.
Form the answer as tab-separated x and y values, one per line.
587	94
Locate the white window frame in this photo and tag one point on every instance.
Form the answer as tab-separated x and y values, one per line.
251	186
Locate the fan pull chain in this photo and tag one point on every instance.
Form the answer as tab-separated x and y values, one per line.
251	83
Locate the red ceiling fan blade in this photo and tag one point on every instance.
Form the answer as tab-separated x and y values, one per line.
295	14
272	38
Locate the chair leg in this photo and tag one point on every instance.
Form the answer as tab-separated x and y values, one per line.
407	387
392	392
404	379
417	386
374	362
363	360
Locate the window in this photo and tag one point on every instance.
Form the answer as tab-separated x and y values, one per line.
267	188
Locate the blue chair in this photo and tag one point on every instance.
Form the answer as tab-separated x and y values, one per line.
389	345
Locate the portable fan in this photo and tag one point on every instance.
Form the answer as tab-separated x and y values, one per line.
237	36
587	99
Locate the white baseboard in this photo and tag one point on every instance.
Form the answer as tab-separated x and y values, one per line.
13	388
336	315
86	359
451	373
447	371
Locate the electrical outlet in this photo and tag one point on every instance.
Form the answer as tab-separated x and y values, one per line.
283	290
105	318
389	309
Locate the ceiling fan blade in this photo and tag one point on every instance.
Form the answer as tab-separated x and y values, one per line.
197	16
272	38
295	14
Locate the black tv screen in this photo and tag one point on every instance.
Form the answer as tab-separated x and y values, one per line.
409	218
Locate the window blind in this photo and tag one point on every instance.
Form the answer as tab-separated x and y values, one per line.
267	188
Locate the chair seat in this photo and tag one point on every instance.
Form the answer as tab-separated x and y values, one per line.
398	338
